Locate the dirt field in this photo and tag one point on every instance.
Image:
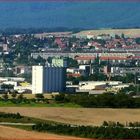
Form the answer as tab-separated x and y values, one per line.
8	133
82	116
128	32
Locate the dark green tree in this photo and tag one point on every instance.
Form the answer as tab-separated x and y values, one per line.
5	96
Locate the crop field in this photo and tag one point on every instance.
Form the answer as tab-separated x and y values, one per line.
9	133
79	116
127	32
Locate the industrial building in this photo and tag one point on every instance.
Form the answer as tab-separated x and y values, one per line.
48	79
19	84
97	86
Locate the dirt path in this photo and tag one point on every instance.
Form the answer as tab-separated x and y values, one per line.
8	133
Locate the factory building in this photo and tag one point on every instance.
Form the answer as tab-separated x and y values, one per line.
54	79
48	79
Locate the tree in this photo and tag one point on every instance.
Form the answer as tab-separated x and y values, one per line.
72	62
39	96
117	36
20	97
27	76
97	77
96	65
40	60
123	36
14	94
61	98
75	81
5	96
49	60
137	40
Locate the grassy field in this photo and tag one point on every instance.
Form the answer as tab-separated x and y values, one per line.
80	116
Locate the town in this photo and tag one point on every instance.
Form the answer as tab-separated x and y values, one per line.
82	63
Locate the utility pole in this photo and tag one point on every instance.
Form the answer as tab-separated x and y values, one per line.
136	81
109	70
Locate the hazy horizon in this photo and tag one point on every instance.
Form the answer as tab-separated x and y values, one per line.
69	14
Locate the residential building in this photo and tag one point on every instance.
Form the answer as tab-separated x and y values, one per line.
85	59
22	70
85	69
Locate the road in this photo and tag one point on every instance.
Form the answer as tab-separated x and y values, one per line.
16	124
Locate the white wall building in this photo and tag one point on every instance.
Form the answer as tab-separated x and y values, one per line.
37	79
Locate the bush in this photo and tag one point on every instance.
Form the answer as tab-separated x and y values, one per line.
5	97
39	96
61	98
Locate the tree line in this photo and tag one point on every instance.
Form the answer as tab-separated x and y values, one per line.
10	115
111	132
106	100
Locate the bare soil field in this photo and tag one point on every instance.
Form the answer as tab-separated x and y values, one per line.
128	32
80	116
8	133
